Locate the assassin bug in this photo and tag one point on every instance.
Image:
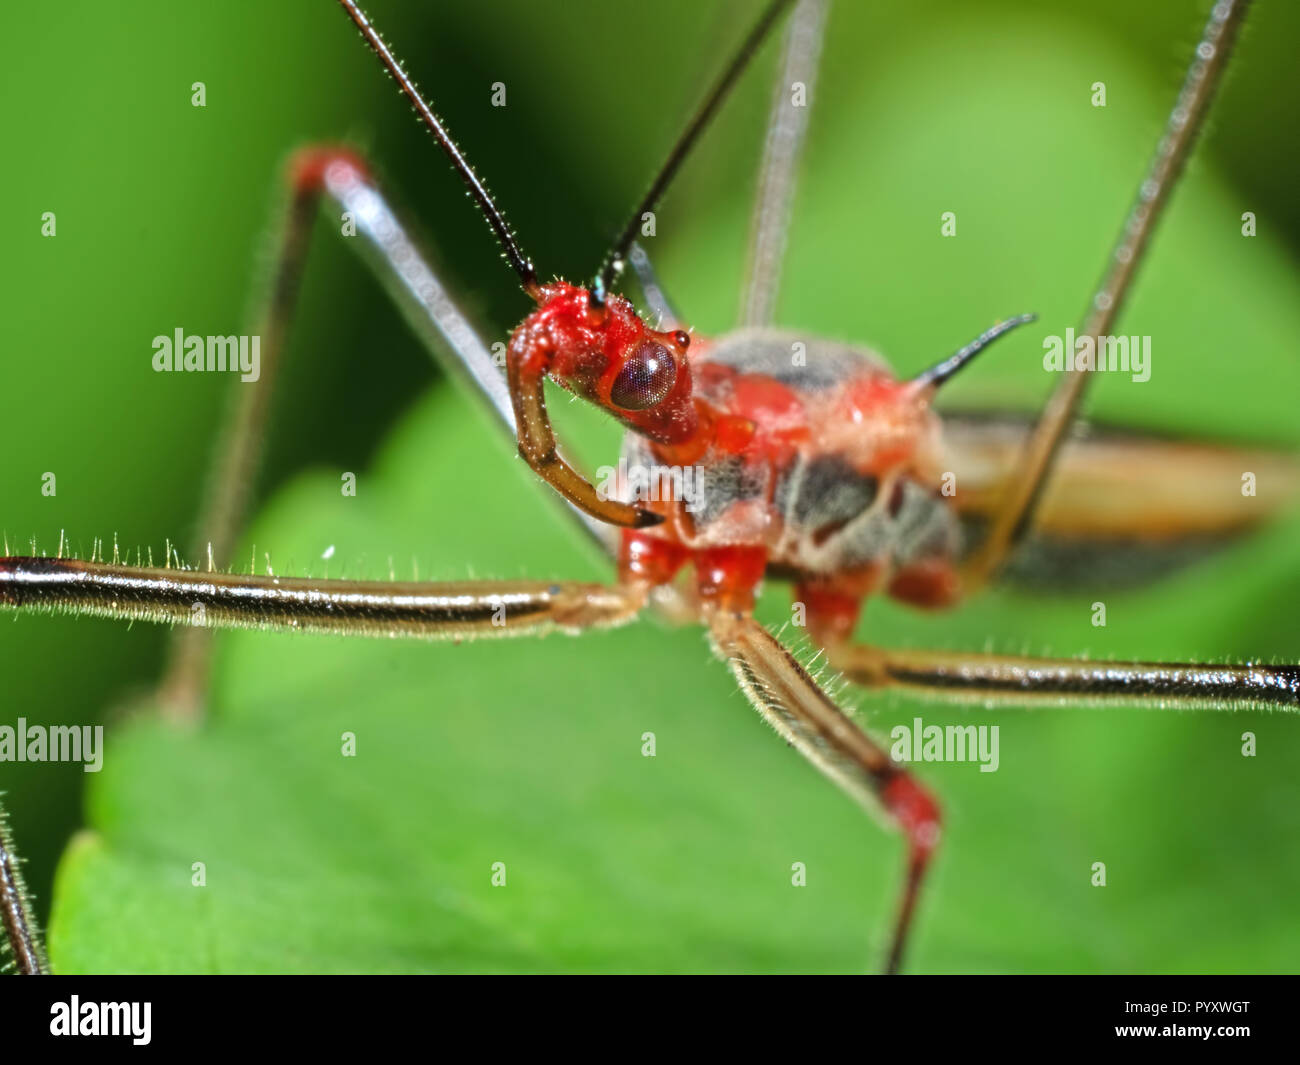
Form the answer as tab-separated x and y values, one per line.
592	342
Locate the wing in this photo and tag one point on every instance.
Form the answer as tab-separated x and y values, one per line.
1122	506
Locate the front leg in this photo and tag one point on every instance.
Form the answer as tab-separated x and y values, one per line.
455	610
339	178
805	717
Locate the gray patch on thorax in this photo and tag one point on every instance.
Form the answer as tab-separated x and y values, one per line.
777	354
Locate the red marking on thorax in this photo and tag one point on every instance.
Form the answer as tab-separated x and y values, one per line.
873	420
879	409
733	434
751	414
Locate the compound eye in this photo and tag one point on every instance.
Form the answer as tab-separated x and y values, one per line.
646	378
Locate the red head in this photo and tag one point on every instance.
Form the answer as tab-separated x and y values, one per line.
606	354
609	356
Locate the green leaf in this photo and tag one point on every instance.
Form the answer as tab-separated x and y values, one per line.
530	753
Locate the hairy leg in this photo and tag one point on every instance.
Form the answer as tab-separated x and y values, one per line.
791	701
454	610
20	935
339	177
1012	680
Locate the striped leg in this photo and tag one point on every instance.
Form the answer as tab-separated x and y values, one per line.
1019	680
802	714
457	610
339	177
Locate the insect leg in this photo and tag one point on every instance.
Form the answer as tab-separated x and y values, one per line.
1203	78
786	125
446	332
26	955
1020	680
340	177
792	702
454	610
239	448
657	301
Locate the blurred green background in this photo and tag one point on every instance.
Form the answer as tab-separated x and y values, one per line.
982	109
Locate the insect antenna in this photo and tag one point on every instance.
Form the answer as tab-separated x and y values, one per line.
942	371
616	257
496	221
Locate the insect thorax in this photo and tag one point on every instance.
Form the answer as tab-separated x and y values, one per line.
812	487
